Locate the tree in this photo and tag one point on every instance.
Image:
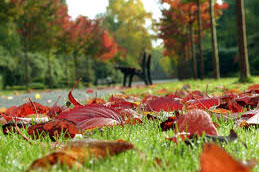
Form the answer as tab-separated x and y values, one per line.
242	43
179	21
200	39
125	20
215	55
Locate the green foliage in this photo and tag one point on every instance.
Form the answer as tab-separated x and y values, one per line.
161	66
126	22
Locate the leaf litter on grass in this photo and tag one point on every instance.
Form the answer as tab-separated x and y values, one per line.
195	107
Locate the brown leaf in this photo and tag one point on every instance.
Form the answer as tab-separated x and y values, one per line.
80	151
215	159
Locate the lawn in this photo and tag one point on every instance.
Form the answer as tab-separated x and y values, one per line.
16	154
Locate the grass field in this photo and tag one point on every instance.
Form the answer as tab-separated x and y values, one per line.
16	154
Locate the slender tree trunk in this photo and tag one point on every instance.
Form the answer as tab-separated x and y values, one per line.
193	55
67	76
200	40
242	44
26	64
215	55
50	85
75	66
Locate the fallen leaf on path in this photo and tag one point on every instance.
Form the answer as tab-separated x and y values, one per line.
81	151
215	159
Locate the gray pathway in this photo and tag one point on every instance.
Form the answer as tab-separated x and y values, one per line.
49	98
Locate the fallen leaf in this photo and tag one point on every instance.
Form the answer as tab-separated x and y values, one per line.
54	128
81	151
164	104
188	138
197	122
253	89
203	103
25	110
92	116
215	159
168	124
253	121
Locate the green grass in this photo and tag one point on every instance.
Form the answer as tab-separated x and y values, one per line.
16	154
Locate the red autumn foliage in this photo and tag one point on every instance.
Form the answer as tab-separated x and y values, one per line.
179	17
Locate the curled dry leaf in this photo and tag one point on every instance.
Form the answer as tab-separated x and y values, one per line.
215	159
80	151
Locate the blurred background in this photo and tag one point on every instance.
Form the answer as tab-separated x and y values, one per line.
52	43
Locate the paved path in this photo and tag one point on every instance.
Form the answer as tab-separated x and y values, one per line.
50	97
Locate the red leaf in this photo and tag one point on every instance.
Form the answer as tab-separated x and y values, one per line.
54	128
204	103
71	97
25	110
196	122
90	91
182	136
168	124
253	89
235	107
164	104
92	116
122	105
96	101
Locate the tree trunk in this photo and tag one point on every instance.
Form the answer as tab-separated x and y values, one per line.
67	76
50	85
215	55
242	44
200	40
26	65
193	55
75	66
